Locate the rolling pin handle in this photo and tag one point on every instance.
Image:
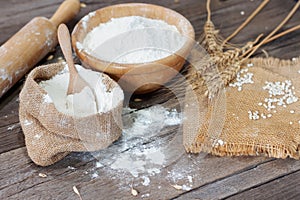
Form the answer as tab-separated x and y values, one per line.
66	11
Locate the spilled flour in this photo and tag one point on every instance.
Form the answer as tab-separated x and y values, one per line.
140	150
144	152
131	39
73	104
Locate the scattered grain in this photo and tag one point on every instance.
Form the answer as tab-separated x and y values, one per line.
242	12
42	175
280	94
145	195
50	57
292	111
177	187
250	65
134	192
77	192
253	115
82	5
220	142
71	168
137	100
242	78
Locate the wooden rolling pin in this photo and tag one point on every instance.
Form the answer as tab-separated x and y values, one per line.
32	43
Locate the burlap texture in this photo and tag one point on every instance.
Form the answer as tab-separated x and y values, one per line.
222	127
50	135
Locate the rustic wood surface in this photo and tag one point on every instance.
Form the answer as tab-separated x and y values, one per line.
213	177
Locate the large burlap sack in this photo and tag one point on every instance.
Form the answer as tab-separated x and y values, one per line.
50	135
238	121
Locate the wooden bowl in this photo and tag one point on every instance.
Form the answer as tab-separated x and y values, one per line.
142	77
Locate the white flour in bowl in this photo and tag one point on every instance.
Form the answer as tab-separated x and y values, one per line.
84	103
132	39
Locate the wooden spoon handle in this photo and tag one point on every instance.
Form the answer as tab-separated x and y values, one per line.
76	83
65	45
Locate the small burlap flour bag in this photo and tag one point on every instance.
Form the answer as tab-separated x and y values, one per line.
257	114
50	135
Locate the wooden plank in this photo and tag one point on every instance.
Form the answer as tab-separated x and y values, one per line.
193	10
19	177
229	18
15	14
286	187
17	173
11	135
246	180
11	138
209	170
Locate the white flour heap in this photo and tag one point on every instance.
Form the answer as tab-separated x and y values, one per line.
132	39
84	103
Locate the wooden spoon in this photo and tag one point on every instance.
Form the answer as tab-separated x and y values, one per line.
76	82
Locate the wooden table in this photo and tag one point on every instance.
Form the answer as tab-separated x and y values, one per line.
212	177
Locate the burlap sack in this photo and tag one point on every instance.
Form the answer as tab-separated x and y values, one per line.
223	127
50	135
